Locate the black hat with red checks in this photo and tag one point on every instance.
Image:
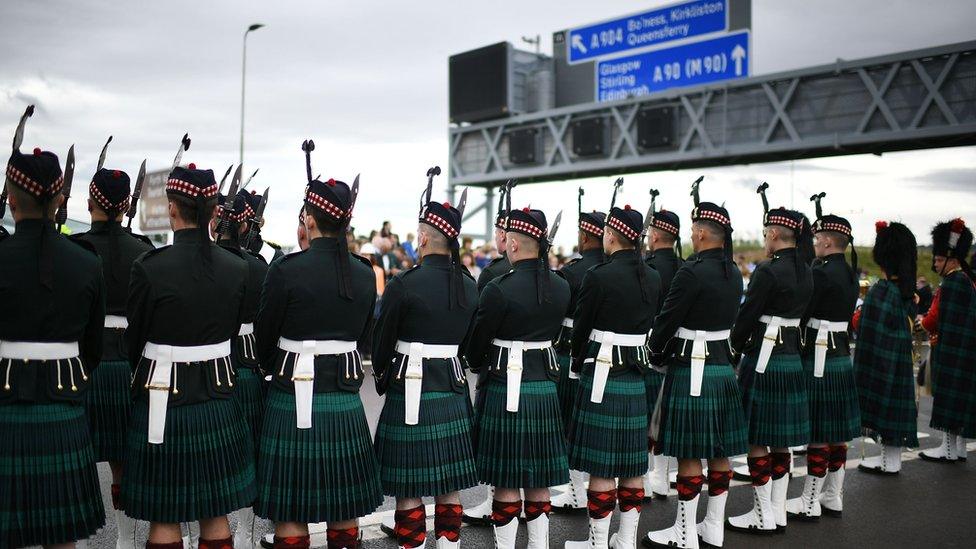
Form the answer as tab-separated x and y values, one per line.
668	222
38	174
331	197
531	223
189	182
110	189
627	221
443	217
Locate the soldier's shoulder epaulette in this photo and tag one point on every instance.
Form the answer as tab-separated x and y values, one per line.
363	260
573	261
287	257
599	265
503	276
152	253
403	274
495	261
84	244
233	249
143	238
77	236
560	274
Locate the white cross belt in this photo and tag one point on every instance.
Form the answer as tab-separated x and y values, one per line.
414	378
604	357
37	350
160	377
699	352
513	368
303	376
116	321
824	328
770	336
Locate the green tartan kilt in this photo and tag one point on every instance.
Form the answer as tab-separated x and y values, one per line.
431	458
653	381
710	425
204	467
326	473
49	491
609	439
249	393
524	449
834	412
775	402
108	404
567	389
954	398
886	399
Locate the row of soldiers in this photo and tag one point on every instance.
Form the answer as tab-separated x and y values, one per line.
156	359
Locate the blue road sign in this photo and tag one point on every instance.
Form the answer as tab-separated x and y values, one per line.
710	60
657	26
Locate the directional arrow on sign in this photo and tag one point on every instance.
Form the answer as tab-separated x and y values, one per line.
578	43
738	54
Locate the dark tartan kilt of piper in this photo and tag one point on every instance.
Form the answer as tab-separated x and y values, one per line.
431	458
326	473
204	467
49	491
249	392
707	426
775	402
108	404
834	412
567	389
953	371
524	449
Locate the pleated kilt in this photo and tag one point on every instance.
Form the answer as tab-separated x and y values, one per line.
326	473
834	412
249	393
431	458
108	404
609	439
524	449
567	389
711	425
204	468
49	491
775	402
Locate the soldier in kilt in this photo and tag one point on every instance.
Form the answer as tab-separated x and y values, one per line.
699	415
608	433
771	377
589	242
665	258
315	458
108	402
883	365
423	440
188	455
481	514
249	384
831	389
53	296
519	442
953	319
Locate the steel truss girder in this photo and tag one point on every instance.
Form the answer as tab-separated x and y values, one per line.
909	100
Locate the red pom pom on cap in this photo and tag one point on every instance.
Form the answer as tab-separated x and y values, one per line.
447	205
626	207
880	225
116	174
526	209
37	151
330	182
192	166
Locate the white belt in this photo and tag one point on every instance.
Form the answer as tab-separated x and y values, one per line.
699	352
513	369
246	329
604	357
303	376
36	350
163	357
773	324
116	321
824	328
414	376
568	322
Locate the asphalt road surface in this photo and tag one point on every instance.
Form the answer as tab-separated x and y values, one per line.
927	505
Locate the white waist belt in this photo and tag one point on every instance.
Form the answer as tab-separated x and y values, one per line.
699	352
414	376
116	321
303	375
604	357
36	350
513	369
773	324
163	357
824	328
246	329
568	322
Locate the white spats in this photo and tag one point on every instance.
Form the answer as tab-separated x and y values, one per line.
505	535
777	497
599	535
888	463
626	536
572	496
244	537
126	530
832	495
656	483
712	529
761	519
684	533
481	513
538	532
946	452
807	506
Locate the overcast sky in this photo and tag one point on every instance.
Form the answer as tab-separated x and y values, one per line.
367	80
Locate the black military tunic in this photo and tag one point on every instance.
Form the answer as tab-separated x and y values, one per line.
666	262
775	401
611	300
47	467
573	272
417	308
496	268
530	454
108	404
